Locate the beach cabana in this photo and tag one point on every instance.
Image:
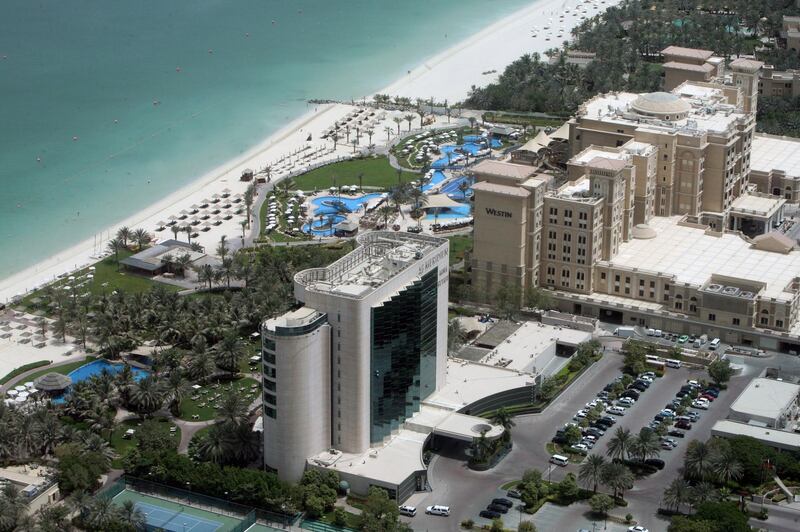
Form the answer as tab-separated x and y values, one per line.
52	383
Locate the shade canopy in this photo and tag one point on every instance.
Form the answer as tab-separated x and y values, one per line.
52	382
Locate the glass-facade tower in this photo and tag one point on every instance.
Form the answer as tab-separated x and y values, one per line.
402	355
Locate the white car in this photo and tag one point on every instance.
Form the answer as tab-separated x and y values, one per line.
580	448
646	378
437	509
637	528
626	402
702	405
581	414
616	410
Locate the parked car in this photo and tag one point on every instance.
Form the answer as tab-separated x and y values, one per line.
595	431
499	508
712	392
610	420
640	386
438	509
685	425
626	402
676	433
693	416
503	502
489	514
683	339
702	405
514	494
580	415
616	410
654	424
666	445
580	448
410	511
668	412
633	394
655	462
637	528
707	397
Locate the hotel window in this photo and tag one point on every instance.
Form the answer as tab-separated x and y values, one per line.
712	317
270	412
764	320
778	323
603	276
735	321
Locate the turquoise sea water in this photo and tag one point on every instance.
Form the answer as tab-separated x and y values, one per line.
227	73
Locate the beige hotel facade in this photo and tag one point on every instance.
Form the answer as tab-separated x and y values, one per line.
654	223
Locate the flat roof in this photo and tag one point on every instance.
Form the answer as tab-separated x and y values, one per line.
466	382
762	205
381	255
520	351
151	258
693	256
765	398
693	53
505	190
776	438
710	111
770	153
503	169
589	154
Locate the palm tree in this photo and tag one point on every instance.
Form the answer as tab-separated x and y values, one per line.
141	237
101	514
146	396
244	444
397	120
222	248
619	445
131	516
702	492
385	211
188	230
725	466
175	230
617	477
369	132
114	245
201	364
463	187
13	507
645	445
676	494
176	389
206	274
53	518
361	181
421	113
226	269
249	197
591	471
123	235
213	446
183	262
409	118
229	352
503	418
232	409
335	137
698	460
388	130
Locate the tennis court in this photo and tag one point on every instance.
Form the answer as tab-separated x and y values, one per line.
176	517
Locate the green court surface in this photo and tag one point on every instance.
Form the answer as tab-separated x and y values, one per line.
262	528
175	517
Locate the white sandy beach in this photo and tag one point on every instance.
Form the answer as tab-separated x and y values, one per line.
448	75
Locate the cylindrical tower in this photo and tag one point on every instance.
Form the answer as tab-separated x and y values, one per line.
296	352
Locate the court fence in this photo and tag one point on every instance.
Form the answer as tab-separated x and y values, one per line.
247	514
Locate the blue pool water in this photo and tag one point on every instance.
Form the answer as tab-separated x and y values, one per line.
323	227
87	371
450	213
437	177
327	204
452	188
477	139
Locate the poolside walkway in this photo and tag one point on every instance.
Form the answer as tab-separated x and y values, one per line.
22	377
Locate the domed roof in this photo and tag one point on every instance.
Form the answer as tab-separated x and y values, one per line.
660	103
643	232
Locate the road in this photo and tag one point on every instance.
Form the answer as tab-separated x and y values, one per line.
467	492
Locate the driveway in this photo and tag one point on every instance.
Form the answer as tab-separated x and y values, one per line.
467	492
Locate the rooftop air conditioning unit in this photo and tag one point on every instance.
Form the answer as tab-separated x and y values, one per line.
730	291
747	295
714	288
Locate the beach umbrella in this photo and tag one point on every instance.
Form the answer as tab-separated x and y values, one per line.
19	399
52	382
29	384
12	393
23	395
20	388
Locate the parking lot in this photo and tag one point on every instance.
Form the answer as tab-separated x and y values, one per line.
468	492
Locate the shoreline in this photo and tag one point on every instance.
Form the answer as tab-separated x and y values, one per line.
446	75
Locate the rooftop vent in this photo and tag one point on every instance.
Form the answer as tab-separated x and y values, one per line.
747	295
714	288
730	291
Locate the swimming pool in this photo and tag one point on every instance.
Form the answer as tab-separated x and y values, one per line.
87	371
451	188
334	204
323	227
447	213
477	139
437	177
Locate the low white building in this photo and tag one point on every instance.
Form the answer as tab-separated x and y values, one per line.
766	402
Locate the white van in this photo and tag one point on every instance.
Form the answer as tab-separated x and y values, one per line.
714	344
437	509
672	363
560	460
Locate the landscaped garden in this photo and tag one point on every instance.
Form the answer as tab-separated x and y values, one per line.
372	172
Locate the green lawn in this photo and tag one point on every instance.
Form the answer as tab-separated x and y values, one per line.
64	370
123	446
377	173
458	245
204	407
23	369
105	273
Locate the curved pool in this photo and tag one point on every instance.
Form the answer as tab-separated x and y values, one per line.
336	204
96	367
323	227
